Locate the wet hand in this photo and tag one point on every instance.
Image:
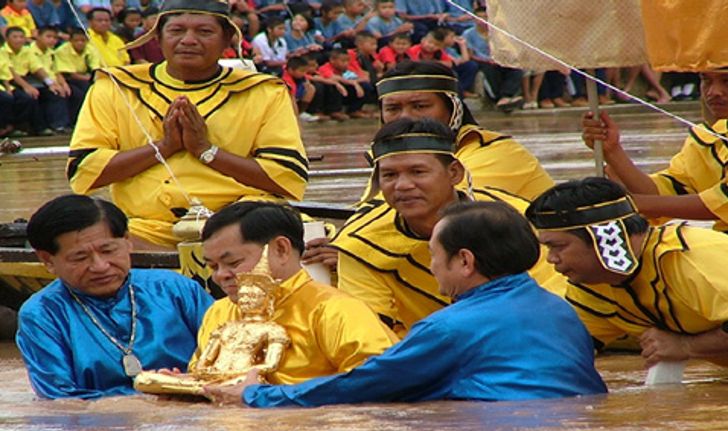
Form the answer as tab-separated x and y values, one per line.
319	251
658	346
603	129
166	371
194	128
230	394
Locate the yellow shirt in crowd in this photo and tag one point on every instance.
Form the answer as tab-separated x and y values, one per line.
70	61
23	19
110	48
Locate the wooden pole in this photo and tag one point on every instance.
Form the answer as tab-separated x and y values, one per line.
593	96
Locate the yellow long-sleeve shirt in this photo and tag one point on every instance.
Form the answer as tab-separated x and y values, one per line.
247	114
331	332
680	287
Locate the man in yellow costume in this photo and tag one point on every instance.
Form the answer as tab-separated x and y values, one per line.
331	332
383	254
694	186
160	134
429	89
665	285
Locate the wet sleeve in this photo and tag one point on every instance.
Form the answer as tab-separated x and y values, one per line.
95	139
278	148
349	332
414	369
367	285
49	360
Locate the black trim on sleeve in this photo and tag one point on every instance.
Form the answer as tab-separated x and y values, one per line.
77	157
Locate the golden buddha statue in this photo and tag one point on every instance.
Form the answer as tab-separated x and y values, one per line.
253	342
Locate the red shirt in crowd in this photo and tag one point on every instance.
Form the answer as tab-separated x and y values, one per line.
416	54
388	56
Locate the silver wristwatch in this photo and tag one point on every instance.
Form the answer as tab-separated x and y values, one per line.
208	155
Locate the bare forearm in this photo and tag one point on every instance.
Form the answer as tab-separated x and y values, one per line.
636	181
245	171
689	207
707	344
127	164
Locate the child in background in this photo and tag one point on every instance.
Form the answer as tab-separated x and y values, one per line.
328	24
54	91
456	47
117	7
503	83
150	52
300	39
353	19
129	24
246	9
425	15
76	61
431	48
386	24
301	89
364	61
395	51
14	108
16	14
341	87
270	9
272	47
458	20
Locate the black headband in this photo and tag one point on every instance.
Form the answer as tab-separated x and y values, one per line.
409	83
220	7
583	216
412	143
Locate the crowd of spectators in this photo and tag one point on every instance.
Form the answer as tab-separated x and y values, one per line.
330	52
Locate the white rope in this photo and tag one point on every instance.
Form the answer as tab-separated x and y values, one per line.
157	154
584	74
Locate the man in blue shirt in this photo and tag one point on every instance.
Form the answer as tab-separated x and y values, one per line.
88	333
491	344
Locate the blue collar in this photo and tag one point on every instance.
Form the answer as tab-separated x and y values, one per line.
501	283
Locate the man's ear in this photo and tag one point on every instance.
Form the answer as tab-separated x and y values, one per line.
129	242
281	248
456	170
47	259
466	260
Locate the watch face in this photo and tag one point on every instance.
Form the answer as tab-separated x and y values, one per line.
208	156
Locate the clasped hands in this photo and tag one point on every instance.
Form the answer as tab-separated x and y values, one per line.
184	129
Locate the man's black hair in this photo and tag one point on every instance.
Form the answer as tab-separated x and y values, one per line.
499	237
579	193
259	222
72	213
90	14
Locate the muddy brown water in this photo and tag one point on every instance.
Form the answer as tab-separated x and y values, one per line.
553	136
